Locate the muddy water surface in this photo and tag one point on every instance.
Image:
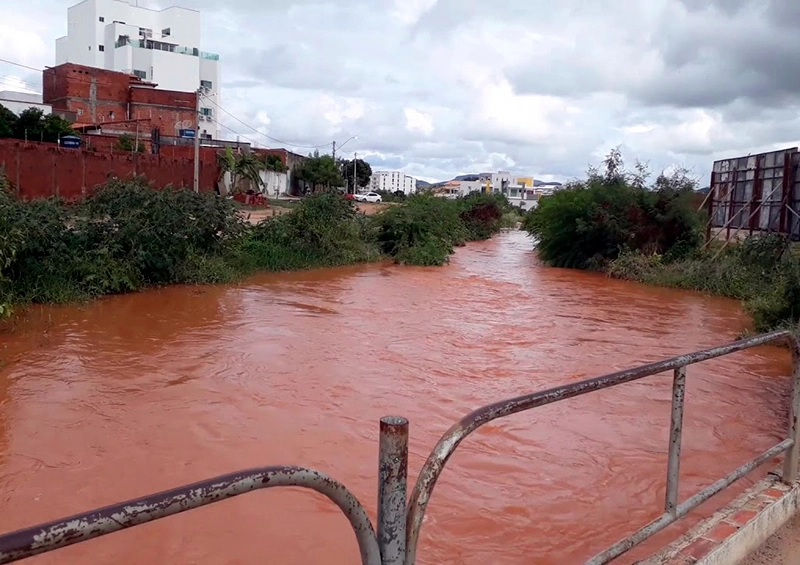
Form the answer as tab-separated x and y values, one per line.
135	394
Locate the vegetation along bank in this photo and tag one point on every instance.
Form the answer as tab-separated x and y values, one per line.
617	222
128	236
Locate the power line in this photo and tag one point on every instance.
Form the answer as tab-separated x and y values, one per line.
21	65
264	134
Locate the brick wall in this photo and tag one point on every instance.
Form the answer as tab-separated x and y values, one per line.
98	96
43	170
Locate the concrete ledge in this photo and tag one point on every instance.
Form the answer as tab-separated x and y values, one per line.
731	534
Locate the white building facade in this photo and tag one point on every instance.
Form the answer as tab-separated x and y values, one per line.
161	46
392	181
18	102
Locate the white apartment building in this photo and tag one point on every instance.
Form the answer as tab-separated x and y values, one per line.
161	46
392	181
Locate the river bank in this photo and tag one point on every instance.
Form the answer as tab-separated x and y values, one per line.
128	237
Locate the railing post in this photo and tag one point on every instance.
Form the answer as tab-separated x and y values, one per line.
392	485
791	459
675	433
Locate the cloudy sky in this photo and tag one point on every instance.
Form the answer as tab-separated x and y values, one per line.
443	87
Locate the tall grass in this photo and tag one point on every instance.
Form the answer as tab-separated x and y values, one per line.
761	271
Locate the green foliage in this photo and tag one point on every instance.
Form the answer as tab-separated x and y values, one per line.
759	271
363	174
323	230
320	171
424	231
386	196
125	237
128	236
482	214
33	125
244	169
274	163
126	142
8	122
590	223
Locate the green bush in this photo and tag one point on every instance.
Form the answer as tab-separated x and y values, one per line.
128	236
323	230
424	231
482	214
590	223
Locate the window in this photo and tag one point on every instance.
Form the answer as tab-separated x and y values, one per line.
166	32
140	74
102	19
206	84
102	48
111	114
90	48
206	112
80	112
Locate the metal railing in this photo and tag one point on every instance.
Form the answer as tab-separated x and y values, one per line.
399	522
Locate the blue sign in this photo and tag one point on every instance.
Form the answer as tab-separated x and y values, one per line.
186	133
71	141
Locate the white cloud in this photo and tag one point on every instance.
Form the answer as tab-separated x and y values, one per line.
418	121
445	87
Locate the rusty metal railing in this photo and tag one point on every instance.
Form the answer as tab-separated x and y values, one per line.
399	522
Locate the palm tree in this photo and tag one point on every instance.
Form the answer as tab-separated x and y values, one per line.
243	169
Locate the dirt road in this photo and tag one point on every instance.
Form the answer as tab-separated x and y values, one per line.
781	549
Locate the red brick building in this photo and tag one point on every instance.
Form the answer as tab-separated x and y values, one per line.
117	101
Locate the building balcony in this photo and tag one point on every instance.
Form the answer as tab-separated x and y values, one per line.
125	41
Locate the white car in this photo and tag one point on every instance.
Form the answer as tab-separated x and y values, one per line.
371	197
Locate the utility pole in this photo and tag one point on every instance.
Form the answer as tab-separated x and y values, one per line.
197	143
334	150
355	177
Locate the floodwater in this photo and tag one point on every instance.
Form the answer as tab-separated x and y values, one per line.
134	394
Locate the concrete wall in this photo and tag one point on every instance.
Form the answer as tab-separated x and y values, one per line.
43	170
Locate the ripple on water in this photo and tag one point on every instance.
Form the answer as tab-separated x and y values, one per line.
139	393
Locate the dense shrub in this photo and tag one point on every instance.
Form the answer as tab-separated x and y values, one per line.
323	230
482	214
421	232
592	222
129	236
125	237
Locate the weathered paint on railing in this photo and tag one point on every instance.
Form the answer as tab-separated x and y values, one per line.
82	527
433	467
399	524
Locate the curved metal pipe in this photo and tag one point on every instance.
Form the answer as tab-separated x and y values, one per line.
53	535
448	443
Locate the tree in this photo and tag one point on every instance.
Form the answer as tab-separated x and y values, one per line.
8	122
33	125
363	172
125	142
274	163
243	169
56	127
320	170
30	125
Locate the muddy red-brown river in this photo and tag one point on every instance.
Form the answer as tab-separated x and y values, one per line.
134	394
